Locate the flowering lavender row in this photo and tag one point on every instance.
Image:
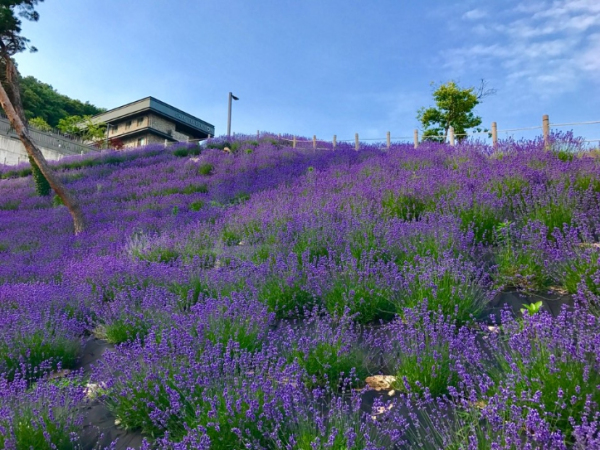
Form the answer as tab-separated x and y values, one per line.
251	292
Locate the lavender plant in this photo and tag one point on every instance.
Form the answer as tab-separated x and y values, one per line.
427	351
45	416
328	348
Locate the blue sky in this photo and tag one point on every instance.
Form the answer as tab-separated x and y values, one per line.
324	67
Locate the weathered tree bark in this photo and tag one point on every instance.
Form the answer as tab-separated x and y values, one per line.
17	121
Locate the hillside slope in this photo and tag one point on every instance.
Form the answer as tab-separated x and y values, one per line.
245	298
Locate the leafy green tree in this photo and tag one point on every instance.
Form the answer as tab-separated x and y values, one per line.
454	108
70	125
40	124
11	43
42	100
83	126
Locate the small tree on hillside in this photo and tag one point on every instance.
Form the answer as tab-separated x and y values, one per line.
83	127
40	124
12	43
454	109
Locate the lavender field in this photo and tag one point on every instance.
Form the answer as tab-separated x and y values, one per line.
242	300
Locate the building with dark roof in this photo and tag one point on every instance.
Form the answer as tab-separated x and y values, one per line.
149	121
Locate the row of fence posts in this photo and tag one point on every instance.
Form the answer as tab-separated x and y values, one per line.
451	136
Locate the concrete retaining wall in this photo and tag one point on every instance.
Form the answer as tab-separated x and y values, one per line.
12	152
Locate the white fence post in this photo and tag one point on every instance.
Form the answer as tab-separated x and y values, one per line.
314	141
356	142
451	136
494	134
416	138
389	140
334	141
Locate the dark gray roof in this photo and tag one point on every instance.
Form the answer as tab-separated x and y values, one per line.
154	105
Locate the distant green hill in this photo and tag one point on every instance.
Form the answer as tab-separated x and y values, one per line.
42	100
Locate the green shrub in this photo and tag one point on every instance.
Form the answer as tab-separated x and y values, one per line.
240	197
328	361
555	213
585	182
452	286
581	267
57	201
564	155
124	330
42	186
45	417
181	152
195	188
286	298
517	263
361	295
219	146
509	187
481	219
196	205
10	205
35	349
191	292
403	206
206	169
552	361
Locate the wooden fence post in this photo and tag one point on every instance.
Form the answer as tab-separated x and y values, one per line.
451	136
356	142
389	140
334	141
494	135
165	143
416	138
294	142
314	141
546	130
257	135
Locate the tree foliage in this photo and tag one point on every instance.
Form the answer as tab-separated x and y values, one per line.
40	124
42	100
83	127
454	108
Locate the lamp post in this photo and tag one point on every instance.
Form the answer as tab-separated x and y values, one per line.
231	97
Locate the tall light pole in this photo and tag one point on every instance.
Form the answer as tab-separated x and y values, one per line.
231	97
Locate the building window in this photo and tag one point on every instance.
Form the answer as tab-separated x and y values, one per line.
141	141
128	125
140	121
115	129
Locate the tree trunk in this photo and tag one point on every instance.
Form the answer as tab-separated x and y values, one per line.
15	117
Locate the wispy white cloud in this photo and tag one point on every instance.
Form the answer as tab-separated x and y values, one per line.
475	14
543	46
